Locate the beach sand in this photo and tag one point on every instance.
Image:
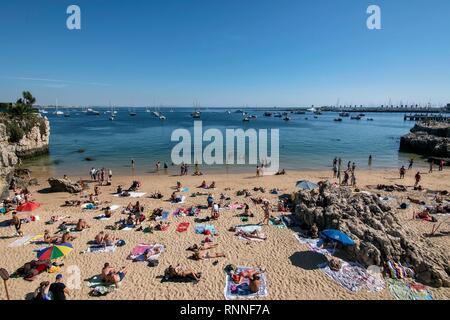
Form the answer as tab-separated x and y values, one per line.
287	277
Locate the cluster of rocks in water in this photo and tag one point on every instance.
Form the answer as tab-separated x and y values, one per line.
376	230
428	139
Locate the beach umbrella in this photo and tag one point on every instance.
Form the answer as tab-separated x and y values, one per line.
54	252
306	185
338	236
28	206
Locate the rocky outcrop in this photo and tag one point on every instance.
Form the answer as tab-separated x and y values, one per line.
33	142
64	185
376	230
428	139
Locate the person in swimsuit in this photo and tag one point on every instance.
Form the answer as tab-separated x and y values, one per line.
266	209
17	222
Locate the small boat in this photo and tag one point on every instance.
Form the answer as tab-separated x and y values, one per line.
246	119
253	116
228	112
161	117
196	114
67	114
267	114
344	114
338	119
112	118
355	118
132	113
238	111
286	118
43	111
369	119
362	115
277	115
92	112
58	113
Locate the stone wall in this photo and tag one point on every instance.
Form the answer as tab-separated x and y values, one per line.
428	139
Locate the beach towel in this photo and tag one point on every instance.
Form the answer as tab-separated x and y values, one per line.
183	212
402	290
88	206
132	194
185	189
280	225
37	239
353	277
234	291
138	252
235	206
164	216
127	228
20	242
314	244
99	286
98	248
203	228
102	217
183	226
248	227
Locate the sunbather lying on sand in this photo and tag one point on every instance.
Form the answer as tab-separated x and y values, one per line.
156	195
72	203
80	225
112	275
57	218
205	246
181	271
202	255
416	201
48	238
67	237
106	239
255	234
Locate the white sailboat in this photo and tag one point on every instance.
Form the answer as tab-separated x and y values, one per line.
58	113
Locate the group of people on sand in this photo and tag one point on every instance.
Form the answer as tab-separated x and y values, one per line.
66	237
101	175
349	178
204	185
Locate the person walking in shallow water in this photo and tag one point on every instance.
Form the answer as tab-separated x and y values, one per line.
411	162
370	160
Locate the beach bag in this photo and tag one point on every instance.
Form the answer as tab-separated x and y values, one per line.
120	243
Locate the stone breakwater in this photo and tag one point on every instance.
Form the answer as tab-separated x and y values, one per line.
376	230
428	139
34	142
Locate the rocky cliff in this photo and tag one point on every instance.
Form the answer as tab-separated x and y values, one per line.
432	139
20	139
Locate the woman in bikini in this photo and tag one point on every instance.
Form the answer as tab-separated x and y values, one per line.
203	255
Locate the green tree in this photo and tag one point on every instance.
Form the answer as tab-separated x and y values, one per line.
23	106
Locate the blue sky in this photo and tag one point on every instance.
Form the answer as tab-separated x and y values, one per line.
225	52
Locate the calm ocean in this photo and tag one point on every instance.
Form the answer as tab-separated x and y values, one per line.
309	143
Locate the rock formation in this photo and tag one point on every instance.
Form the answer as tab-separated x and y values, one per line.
376	230
64	185
428	139
33	142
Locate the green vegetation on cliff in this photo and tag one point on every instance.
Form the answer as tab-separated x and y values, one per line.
20	117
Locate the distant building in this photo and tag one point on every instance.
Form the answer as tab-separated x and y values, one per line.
448	107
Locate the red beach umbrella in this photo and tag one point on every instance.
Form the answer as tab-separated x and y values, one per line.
28	206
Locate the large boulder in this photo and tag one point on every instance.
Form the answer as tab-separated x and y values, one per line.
378	234
64	185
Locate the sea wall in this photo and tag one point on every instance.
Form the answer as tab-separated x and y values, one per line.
431	139
34	142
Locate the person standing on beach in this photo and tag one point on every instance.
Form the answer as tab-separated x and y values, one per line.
132	163
441	165
91	173
339	170
418	177
411	162
349	165
17	224
353	167
370	160
58	289
353	178
402	172
266	213
335	167
158	165
258	172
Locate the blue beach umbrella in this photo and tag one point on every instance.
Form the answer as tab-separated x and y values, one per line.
306	185
338	236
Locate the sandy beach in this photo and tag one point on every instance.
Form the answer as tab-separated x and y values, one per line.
288	276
